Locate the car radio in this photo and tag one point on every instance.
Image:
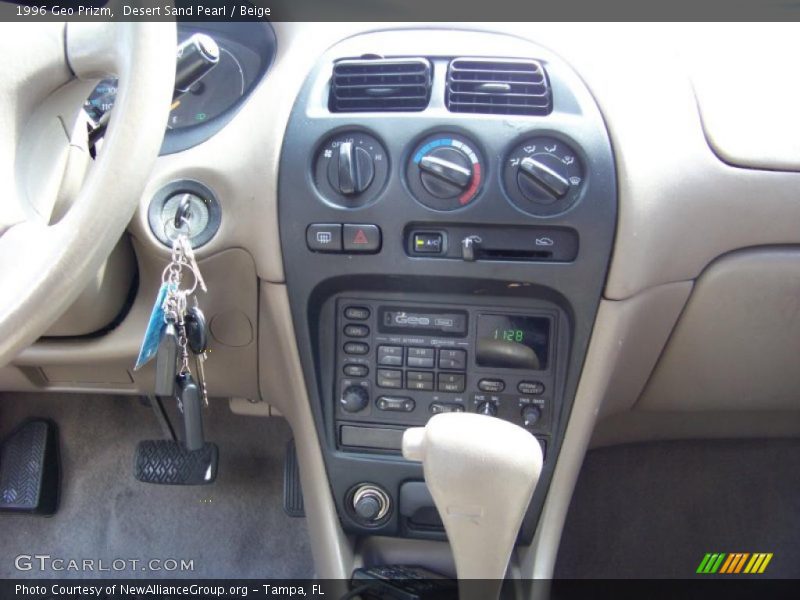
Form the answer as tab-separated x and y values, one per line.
398	364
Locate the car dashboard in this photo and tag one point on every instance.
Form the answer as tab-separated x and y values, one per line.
541	223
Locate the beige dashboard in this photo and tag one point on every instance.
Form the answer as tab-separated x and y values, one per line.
698	327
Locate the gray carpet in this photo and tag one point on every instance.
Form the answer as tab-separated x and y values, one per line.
654	510
233	528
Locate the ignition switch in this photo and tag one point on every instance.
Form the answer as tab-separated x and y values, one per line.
188	205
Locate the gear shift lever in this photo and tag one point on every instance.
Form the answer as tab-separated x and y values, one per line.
481	472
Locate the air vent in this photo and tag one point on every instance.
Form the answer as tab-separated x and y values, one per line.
384	84
498	87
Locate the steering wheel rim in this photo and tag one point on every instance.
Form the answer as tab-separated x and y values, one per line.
43	268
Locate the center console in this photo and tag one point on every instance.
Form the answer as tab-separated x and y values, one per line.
447	207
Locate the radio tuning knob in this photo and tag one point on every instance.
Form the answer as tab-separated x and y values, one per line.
487	408
354	398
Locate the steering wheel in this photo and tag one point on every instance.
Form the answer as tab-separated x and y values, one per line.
44	265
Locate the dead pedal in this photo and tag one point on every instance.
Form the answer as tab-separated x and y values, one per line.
29	469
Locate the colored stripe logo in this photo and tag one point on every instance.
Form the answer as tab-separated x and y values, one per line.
734	563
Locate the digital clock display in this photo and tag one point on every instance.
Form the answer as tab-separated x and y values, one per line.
513	342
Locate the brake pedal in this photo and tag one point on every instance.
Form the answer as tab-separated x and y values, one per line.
29	469
166	462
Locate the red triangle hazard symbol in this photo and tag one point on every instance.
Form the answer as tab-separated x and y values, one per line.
360	237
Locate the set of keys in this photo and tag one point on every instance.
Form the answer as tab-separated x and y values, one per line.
177	333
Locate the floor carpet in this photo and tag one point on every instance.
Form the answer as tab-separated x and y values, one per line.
654	510
234	528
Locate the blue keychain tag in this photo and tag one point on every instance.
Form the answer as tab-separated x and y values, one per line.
155	328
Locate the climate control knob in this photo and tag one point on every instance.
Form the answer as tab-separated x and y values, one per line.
541	182
354	398
445	172
487	408
543	176
351	169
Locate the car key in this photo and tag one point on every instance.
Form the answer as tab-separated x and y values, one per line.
197	339
196	330
167	362
189	397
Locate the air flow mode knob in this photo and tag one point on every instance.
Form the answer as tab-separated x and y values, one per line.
543	175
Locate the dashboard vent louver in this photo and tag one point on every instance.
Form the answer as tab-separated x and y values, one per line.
383	84
498	87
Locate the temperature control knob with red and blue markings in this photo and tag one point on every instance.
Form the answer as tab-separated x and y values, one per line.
445	172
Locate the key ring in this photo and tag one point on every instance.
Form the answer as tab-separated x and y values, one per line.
175	268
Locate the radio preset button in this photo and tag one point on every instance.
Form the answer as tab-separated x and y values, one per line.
530	388
395	403
453	359
356	331
446	407
492	385
356	370
389	378
420	386
356	348
452	382
421	357
419	376
356	313
419	380
390	355
420	363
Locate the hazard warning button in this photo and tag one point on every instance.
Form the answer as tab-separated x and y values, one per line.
361	238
